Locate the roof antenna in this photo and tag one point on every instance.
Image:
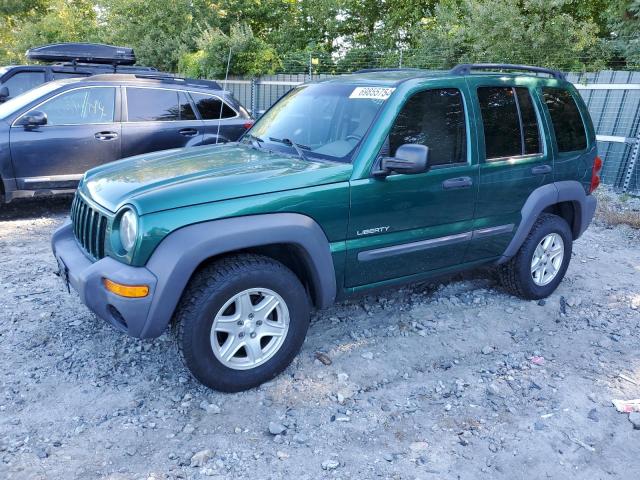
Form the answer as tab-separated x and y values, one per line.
224	88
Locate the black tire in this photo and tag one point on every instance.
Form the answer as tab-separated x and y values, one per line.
207	293
515	275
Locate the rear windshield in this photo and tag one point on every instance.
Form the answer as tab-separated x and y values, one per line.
565	117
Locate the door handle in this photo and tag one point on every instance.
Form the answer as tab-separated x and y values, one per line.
541	169
459	182
188	132
106	135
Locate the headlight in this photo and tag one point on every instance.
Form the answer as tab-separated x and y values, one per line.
128	230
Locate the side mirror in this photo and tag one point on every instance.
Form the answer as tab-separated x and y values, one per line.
34	118
4	93
410	158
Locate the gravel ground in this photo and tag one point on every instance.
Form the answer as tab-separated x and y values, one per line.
445	381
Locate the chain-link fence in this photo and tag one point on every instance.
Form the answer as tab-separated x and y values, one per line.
613	98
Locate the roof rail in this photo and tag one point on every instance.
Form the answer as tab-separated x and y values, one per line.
165	77
159	76
369	70
466	68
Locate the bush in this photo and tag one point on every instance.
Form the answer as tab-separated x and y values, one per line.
249	55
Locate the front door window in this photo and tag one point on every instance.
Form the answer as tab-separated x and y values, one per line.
81	107
434	118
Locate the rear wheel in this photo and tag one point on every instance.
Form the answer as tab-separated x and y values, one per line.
542	261
241	321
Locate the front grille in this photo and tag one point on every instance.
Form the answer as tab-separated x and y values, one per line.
89	227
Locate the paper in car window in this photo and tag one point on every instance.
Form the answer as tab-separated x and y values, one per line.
376	93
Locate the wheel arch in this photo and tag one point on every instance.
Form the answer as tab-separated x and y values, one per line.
566	199
293	239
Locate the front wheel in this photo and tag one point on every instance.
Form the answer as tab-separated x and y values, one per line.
241	322
542	261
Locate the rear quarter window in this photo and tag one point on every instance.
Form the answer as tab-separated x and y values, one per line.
212	108
565	118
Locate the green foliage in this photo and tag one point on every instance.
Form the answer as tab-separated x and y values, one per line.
194	36
249	55
510	31
160	31
38	22
624	17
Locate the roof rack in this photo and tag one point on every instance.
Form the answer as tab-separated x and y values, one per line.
369	70
118	68
466	68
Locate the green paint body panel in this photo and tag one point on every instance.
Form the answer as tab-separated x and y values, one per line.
173	189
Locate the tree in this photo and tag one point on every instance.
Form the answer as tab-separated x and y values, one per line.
249	55
624	20
510	31
32	23
160	31
269	35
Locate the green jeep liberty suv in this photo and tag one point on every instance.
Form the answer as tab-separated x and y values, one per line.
365	180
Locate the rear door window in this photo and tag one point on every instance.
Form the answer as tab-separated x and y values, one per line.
565	117
152	105
530	131
186	110
212	108
434	118
509	121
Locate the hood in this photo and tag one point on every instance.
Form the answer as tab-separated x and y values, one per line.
177	178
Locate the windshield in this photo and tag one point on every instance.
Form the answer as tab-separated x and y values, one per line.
324	120
13	105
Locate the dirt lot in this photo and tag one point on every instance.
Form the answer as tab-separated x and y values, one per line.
442	381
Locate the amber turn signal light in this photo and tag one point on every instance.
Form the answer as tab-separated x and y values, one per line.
129	291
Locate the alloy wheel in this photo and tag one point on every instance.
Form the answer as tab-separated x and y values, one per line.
250	328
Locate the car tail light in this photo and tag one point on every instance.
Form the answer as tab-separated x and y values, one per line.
247	125
595	174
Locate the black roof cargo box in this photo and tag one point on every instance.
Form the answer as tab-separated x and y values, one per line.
83	53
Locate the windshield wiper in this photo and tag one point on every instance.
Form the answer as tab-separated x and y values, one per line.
299	148
255	140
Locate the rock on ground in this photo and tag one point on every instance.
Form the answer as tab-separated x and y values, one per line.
408	392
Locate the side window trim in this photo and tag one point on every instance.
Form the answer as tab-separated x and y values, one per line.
520	122
192	102
467	129
184	95
523	155
35	107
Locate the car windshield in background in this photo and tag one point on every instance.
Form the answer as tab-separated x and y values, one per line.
13	105
324	120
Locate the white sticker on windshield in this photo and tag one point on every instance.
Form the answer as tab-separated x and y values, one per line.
378	93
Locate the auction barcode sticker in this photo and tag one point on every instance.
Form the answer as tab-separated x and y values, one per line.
378	93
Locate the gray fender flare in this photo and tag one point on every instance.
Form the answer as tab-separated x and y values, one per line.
546	196
179	254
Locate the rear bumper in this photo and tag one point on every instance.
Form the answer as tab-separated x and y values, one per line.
86	277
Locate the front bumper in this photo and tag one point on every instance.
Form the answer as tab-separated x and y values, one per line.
129	315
